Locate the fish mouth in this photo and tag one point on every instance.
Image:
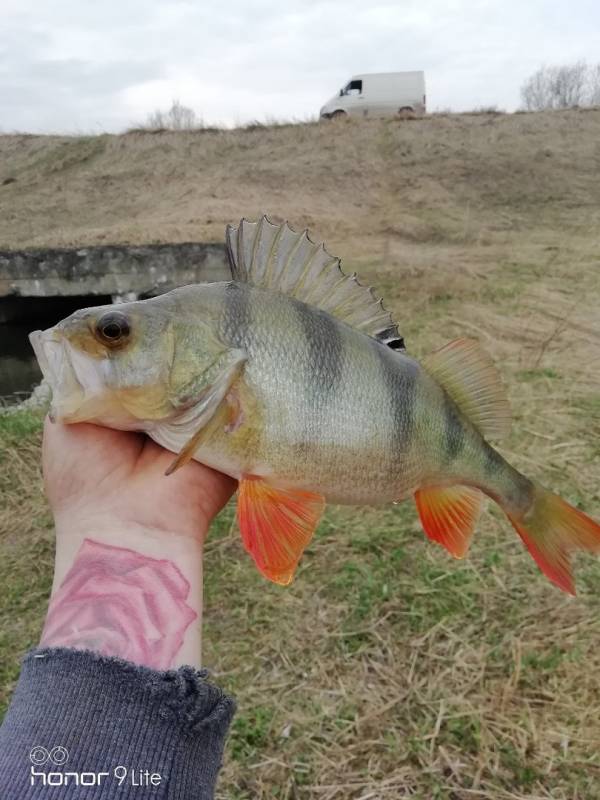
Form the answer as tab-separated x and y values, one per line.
52	354
75	379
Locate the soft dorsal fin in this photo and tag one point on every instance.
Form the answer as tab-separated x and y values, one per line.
278	258
469	376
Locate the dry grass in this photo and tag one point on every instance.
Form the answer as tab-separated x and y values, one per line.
26	544
386	670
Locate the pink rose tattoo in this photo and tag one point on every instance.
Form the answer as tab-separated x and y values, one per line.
118	602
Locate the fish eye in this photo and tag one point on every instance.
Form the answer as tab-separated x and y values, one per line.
112	328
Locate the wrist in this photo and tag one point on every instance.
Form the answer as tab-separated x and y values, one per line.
126	589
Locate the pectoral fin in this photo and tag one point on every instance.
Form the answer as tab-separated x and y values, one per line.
276	526
206	413
192	445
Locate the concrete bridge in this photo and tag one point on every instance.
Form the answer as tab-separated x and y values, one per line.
40	287
114	270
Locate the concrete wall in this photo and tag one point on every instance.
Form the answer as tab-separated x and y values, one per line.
115	270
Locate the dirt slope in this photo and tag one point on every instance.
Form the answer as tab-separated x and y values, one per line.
444	178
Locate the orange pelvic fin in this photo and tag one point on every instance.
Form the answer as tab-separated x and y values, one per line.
551	529
276	525
449	514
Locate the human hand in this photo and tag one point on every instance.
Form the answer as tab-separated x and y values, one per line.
128	574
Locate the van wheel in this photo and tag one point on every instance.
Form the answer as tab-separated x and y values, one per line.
406	112
339	114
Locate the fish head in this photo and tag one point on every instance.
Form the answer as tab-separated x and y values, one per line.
110	364
105	364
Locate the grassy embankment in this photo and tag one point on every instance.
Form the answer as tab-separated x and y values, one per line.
386	670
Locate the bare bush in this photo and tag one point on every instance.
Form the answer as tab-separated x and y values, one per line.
566	86
177	118
593	87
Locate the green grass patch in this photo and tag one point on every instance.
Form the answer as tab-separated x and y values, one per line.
17	425
250	731
537	374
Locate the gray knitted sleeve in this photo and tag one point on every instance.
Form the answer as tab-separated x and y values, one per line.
90	726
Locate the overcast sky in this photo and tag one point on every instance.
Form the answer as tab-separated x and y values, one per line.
90	66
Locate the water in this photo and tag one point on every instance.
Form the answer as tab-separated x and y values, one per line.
19	371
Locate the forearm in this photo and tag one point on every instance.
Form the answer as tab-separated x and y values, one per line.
108	683
126	730
127	591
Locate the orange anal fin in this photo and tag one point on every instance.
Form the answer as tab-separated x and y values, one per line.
276	525
449	514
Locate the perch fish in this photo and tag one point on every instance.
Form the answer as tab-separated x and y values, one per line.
293	378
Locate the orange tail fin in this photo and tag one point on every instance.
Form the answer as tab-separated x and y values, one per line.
551	529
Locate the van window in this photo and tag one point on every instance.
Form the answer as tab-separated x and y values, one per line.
353	88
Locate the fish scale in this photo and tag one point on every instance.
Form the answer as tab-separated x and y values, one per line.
328	402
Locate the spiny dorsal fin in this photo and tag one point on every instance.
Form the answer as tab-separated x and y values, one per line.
276	257
469	376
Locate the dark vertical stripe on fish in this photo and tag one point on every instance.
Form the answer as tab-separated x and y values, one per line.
493	461
454	432
325	348
236	316
236	330
325	365
400	376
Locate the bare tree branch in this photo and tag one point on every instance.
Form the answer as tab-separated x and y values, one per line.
565	86
177	118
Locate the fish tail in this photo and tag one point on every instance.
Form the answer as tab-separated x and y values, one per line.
551	529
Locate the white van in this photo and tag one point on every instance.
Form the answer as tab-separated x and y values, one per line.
380	94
